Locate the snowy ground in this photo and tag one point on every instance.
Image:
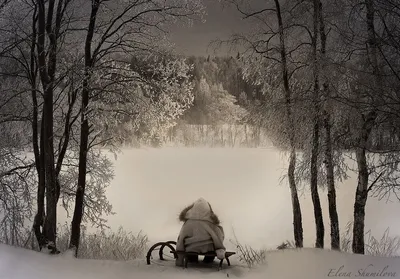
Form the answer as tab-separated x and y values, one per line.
17	263
151	186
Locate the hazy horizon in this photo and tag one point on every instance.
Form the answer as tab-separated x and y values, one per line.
152	185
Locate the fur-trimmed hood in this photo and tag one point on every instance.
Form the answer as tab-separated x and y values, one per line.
199	210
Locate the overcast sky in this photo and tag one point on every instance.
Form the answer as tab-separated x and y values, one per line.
220	23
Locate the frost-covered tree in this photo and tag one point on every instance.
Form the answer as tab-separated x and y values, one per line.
214	105
365	91
68	81
270	63
131	28
222	107
342	88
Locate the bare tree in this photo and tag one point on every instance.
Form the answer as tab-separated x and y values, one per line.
49	23
327	126
362	190
130	31
265	54
365	99
319	223
297	218
84	138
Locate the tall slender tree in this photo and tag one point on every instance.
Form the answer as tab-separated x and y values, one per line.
49	20
267	54
369	121
319	223
297	217
327	127
84	131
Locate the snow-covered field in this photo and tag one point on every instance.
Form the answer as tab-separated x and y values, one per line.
151	186
309	263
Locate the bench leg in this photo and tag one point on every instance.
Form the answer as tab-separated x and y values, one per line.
220	264
185	261
228	261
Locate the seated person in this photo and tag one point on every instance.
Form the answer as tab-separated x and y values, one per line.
200	232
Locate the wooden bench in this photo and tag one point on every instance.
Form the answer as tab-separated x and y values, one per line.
210	254
170	244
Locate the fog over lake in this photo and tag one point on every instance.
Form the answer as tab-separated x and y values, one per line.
244	187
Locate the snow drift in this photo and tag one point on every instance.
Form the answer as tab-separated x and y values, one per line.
17	263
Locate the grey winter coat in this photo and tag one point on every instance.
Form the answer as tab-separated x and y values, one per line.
201	231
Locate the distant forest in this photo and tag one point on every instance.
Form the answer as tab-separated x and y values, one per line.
232	108
220	112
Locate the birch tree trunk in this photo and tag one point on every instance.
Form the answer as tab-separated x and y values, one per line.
319	223
368	124
84	140
297	217
328	156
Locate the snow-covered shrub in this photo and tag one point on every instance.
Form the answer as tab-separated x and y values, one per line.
120	245
286	245
246	254
386	246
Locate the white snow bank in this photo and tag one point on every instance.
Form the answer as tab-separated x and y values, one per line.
16	263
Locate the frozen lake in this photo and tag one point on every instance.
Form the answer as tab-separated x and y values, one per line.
151	186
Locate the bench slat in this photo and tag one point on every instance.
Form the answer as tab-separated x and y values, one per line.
227	254
212	254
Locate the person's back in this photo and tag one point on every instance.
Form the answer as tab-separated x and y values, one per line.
201	232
